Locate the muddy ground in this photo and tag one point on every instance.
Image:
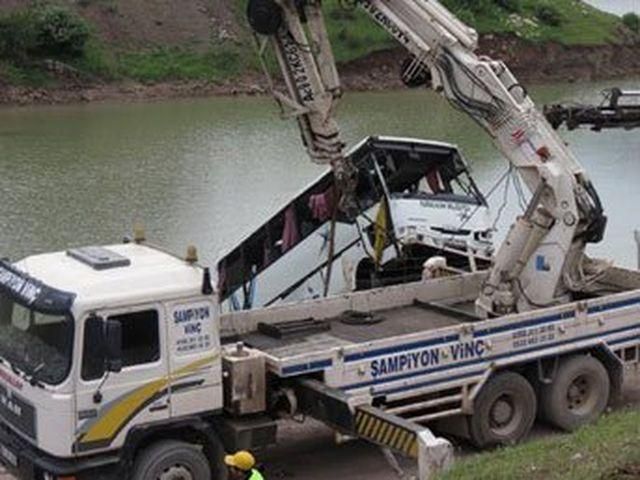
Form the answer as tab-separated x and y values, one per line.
309	452
134	25
531	63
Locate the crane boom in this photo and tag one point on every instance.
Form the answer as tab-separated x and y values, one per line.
542	260
309	70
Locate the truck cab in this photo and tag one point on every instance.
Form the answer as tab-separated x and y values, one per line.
95	344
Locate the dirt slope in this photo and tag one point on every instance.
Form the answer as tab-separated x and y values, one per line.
169	23
152	23
132	25
531	63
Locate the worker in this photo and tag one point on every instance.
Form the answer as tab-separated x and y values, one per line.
241	466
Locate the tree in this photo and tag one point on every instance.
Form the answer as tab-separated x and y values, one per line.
632	21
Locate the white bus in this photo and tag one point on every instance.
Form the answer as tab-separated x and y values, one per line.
416	197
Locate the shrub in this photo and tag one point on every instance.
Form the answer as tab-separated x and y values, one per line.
42	31
18	35
548	14
632	21
474	6
466	16
514	6
60	32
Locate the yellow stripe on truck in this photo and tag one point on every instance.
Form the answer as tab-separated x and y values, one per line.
109	424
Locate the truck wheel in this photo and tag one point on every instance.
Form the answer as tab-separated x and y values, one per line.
172	460
578	394
504	411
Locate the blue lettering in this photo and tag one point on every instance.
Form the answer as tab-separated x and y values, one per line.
192	328
191	314
469	350
455	351
404	361
430	357
462	351
393	366
415	358
383	367
425	358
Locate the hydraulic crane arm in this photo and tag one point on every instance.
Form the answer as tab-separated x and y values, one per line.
297	32
542	259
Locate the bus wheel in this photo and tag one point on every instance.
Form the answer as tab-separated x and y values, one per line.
172	460
578	394
504	411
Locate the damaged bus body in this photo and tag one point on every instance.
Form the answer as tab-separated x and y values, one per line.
416	199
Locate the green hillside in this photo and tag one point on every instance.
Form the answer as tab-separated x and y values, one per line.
66	41
569	22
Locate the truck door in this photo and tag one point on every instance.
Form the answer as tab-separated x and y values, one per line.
110	404
194	353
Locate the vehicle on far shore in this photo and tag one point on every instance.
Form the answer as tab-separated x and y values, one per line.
618	109
416	199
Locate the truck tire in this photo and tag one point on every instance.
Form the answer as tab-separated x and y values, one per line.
172	460
504	411
578	394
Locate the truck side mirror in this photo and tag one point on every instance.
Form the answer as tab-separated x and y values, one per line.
113	344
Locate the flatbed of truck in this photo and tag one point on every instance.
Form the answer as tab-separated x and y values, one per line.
422	338
348	329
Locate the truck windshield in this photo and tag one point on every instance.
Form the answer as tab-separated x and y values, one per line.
37	345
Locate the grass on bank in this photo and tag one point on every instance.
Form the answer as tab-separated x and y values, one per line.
25	75
580	24
608	450
178	64
353	34
150	67
570	22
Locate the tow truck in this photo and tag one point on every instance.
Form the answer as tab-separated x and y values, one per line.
116	362
617	110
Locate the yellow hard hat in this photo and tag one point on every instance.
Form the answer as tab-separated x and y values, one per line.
242	460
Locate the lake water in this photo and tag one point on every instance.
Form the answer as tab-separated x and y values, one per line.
208	171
